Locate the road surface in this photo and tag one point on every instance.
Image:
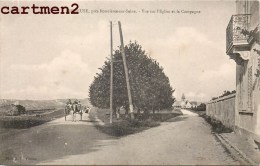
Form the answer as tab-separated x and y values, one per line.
50	141
185	140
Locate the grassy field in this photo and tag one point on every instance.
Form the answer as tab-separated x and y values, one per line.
35	104
125	126
37	112
26	121
42	104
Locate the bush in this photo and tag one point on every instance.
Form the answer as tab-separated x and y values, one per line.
150	123
21	109
201	107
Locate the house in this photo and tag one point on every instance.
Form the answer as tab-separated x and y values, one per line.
184	103
194	104
188	104
242	45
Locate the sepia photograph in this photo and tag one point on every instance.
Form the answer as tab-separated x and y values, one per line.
119	82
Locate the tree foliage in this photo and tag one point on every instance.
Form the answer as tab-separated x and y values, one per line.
225	93
150	87
201	107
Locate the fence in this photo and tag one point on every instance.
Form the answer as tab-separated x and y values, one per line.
223	109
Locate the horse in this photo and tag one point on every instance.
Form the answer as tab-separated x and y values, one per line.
77	109
67	110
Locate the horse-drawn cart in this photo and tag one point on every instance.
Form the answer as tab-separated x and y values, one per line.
73	109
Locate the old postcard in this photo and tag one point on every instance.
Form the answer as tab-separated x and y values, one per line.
129	82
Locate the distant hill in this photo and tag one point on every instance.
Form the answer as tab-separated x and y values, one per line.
83	101
41	104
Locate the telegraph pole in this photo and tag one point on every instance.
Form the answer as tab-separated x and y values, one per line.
126	72
111	73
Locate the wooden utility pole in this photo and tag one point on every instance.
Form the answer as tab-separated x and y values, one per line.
111	73
126	72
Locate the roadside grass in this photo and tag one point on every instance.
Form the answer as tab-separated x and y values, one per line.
216	125
125	125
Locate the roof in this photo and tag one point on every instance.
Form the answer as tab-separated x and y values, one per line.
193	102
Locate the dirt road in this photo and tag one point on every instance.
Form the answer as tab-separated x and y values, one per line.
187	140
51	141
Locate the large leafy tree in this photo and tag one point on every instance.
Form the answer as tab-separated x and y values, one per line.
150	87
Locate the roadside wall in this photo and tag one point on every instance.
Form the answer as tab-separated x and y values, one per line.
223	109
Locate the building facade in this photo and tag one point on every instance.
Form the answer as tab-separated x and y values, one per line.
242	45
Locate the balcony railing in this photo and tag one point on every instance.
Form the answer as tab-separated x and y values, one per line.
234	35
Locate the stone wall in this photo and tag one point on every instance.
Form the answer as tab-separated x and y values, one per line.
223	109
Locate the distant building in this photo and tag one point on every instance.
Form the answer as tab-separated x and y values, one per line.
194	104
183	101
188	104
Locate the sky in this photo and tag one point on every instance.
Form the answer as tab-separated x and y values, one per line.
57	56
